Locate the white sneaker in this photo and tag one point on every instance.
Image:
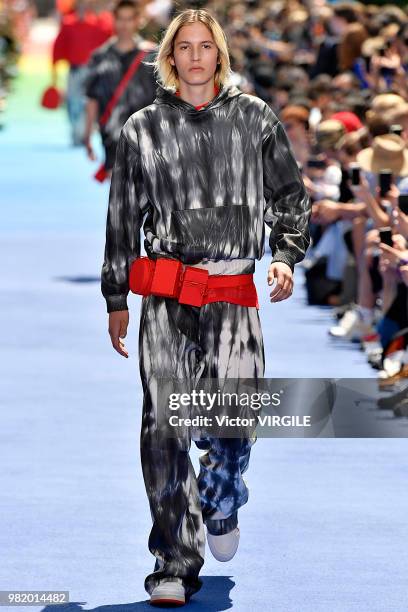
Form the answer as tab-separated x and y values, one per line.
168	592
392	364
351	327
223	547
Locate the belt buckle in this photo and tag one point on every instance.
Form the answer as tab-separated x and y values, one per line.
193	286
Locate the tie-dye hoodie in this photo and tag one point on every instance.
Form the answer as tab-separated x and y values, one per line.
202	184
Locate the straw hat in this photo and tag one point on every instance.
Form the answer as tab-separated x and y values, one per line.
381	104
397	114
388	151
329	132
371	45
385	101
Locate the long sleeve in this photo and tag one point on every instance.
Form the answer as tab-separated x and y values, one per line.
91	84
124	221
60	46
288	205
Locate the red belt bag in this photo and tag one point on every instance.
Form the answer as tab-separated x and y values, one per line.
189	285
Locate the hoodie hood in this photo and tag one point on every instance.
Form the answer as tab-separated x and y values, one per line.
167	96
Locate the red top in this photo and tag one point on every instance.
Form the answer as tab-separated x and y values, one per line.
77	37
216	90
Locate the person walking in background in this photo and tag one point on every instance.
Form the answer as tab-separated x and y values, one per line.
118	83
82	31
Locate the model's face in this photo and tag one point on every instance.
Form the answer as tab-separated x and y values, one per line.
126	22
194	48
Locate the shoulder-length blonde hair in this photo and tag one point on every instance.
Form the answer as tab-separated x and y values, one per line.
165	73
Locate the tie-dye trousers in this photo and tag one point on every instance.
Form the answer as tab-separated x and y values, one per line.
218	340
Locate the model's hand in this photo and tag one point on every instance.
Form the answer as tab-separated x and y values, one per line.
284	281
118	323
89	150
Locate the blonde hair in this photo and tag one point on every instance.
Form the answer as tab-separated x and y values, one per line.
165	73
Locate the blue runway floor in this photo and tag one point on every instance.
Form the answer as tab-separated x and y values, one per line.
325	528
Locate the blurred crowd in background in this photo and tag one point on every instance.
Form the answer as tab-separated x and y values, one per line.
15	20
336	76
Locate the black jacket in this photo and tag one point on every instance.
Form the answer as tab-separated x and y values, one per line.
203	183
105	69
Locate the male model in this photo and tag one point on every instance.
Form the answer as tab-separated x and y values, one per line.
204	166
81	32
111	96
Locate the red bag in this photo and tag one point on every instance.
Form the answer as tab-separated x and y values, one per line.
194	286
166	277
51	98
141	275
101	174
161	277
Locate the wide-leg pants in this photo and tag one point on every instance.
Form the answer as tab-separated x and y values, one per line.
217	340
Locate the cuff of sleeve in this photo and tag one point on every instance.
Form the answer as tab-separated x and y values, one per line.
281	257
116	302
